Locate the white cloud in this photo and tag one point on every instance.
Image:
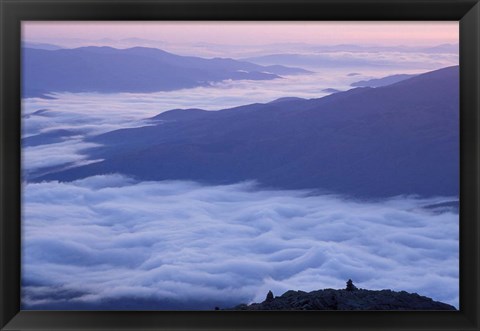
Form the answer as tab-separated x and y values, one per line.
364	60
111	238
42	156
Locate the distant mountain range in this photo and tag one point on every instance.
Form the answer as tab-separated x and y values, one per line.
239	49
330	90
355	56
138	69
49	47
442	48
365	142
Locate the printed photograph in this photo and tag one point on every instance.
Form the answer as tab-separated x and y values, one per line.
215	165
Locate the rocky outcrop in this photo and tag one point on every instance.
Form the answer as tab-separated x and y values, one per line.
350	298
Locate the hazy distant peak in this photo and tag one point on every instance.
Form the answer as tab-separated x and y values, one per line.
180	114
97	48
147	50
44	46
132	50
92	50
444	48
284	99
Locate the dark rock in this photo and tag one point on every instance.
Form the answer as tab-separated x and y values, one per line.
358	299
269	297
350	287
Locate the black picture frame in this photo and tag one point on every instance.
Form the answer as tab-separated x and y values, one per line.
14	11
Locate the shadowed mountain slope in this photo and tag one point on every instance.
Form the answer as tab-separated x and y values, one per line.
377	82
368	143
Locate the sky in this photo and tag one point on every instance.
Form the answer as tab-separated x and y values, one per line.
249	32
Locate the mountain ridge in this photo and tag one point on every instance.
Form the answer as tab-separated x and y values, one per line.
366	142
384	81
139	69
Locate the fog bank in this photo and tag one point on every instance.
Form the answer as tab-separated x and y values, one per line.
109	239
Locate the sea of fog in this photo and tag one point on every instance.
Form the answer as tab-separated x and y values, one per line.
110	241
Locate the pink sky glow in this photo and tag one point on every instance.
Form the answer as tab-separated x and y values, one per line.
250	33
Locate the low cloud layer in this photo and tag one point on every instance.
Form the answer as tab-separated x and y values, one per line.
108	239
80	115
399	60
50	155
88	114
